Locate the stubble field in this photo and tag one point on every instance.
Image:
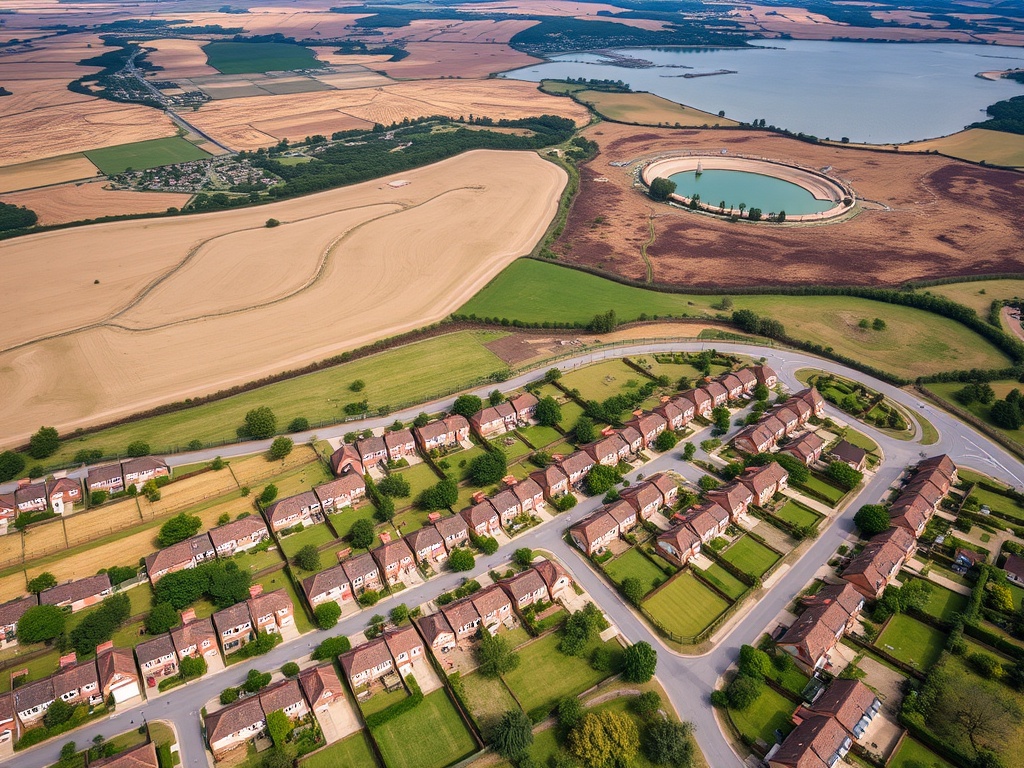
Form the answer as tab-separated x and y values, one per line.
923	217
366	261
77	202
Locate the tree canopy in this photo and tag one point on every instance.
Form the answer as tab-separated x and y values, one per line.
661	188
872	519
495	656
548	412
512	735
467	405
260	423
639	662
604	738
180	527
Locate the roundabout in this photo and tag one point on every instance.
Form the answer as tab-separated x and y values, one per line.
753	188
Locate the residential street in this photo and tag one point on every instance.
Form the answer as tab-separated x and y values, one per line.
687	679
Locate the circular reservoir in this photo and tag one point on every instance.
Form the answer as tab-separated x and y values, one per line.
756	190
769	185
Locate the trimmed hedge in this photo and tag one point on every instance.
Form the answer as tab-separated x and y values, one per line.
398	708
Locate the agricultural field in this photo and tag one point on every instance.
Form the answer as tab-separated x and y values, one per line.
647	109
797	514
431	735
979	295
633	564
750	556
145	154
77	202
243	58
725	581
978	145
353	751
545	675
42	173
684	606
401	232
911	641
914	342
97	523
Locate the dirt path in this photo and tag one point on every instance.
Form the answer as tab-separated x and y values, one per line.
1011	317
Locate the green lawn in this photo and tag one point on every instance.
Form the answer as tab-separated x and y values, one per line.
797	514
725	581
351	752
914	343
602	380
247	58
431	735
420	477
571	412
459	462
545	674
751	556
317	535
487	699
911	641
540	437
140	155
382	699
914	754
826	490
512	446
861	440
412	373
685	606
946	390
634	564
944	603
978	295
770	711
38	668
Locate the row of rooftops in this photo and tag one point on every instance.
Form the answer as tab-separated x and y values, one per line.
70	593
780	421
125	473
31	496
826	618
519	408
330	495
609	520
223	540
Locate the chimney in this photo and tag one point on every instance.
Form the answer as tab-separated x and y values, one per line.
255	590
23	482
189	614
638	412
509	480
607	431
69	660
478	497
434	517
385	537
103	647
343	553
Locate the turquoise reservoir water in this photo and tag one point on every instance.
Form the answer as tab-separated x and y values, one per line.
769	194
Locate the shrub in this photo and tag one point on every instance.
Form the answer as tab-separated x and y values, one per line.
755	662
523	557
192	666
361	534
666	441
178	528
308	558
256	681
271	223
280	448
985	665
268	494
461	559
137	448
646	704
162	618
369	597
661	189
843	475
327	615
488	468
486	544
58	713
11	465
228	696
331	648
743	691
100	625
565	502
290	669
43	443
299	424
512	736
495	656
634	590
601	479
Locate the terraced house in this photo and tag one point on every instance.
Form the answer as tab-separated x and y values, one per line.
180	557
341	493
287	513
826	618
79	594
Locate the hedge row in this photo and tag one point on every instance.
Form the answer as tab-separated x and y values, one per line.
398	708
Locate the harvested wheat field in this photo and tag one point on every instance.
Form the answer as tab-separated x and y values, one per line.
12	586
927	216
40	173
77	202
465	60
648	109
363	262
328	55
189	492
234	122
977	145
252	469
178	58
97	523
87	559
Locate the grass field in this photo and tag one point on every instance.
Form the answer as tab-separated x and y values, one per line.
247	58
685	606
633	564
351	752
545	675
140	155
796	513
750	556
317	535
914	342
946	390
602	380
541	437
979	295
411	373
487	700
944	603
826	490
770	711
914	754
725	581
977	145
647	109
911	641
431	735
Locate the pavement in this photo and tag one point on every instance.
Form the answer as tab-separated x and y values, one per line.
688	680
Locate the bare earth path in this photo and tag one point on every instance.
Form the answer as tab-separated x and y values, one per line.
185	306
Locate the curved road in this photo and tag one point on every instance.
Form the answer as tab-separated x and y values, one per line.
688	680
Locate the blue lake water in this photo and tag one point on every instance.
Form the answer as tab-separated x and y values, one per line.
769	194
869	92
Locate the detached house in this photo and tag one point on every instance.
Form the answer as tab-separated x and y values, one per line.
239	536
247	718
552	480
482	519
942	463
850	454
362	573
678	544
10	613
302	508
234	627
180	557
62	494
340	493
747	379
454	530
732	384
757	438
427	545
139	471
666	487
717	392
78	594
632	437
270	611
828	616
437	632
400	444
395	560
106	478
764	482
672	414
526	588
330	585
371	450
525	406
594	533
494	420
195	637
141	756
157	659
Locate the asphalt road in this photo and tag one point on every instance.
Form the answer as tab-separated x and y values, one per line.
688	680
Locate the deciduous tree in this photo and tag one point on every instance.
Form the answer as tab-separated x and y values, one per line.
467	405
180	527
280	448
604	739
512	735
495	656
639	662
43	443
327	614
872	519
548	412
260	423
40	623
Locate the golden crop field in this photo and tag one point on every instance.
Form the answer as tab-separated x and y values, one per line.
977	145
97	523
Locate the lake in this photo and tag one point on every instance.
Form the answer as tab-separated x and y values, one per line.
879	93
